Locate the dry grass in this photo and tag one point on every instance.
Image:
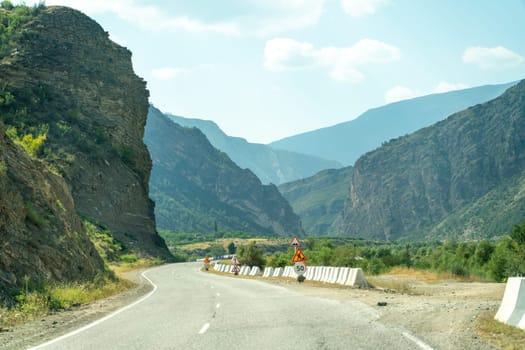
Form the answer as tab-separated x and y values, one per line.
122	267
33	305
499	334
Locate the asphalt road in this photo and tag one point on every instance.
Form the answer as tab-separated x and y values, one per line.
190	309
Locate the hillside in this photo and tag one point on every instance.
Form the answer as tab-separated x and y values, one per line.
346	142
198	188
319	199
42	237
270	165
63	80
463	177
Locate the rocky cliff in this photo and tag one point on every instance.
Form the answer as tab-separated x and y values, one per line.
41	236
319	199
461	177
63	77
198	188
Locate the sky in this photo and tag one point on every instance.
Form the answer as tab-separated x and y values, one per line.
267	69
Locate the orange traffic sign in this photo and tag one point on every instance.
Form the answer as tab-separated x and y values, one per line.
206	260
295	242
299	256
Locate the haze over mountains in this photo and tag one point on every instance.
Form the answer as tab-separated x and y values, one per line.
198	188
345	142
270	165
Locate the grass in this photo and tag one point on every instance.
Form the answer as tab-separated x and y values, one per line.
499	334
32	305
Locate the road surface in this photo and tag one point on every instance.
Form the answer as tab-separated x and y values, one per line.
190	309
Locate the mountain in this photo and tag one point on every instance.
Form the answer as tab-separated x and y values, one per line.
42	237
199	188
319	200
270	165
345	142
65	84
462	177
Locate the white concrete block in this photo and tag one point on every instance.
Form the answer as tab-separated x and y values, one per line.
317	274
278	272
310	271
255	271
268	271
287	271
343	275
334	276
356	278
244	270
512	307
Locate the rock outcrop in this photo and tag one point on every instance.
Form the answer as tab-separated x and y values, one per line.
198	188
67	77
462	177
41	237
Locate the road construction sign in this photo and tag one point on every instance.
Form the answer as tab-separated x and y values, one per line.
295	242
206	260
299	256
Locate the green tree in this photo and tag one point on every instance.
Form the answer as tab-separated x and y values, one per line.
217	250
251	255
232	248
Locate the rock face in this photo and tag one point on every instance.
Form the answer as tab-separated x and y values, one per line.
67	77
41	236
319	200
198	188
463	177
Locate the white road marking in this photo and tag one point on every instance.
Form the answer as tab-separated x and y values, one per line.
103	319
204	328
218	305
418	342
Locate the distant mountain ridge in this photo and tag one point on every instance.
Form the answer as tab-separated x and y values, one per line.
346	142
270	165
197	188
463	177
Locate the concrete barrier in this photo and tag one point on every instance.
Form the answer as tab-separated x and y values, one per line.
317	274
335	274
512	307
255	271
278	272
245	270
343	275
287	271
356	278
217	266
268	271
310	271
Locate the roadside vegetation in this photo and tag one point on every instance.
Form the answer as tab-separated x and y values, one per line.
35	301
485	260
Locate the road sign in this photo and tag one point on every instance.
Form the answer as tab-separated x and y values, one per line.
236	269
295	242
299	256
206	260
235	261
300	268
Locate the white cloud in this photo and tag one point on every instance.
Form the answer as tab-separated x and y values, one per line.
399	92
359	8
287	54
446	87
492	58
146	17
281	16
168	73
263	18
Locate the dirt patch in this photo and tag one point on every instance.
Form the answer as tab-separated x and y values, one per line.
59	323
444	314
